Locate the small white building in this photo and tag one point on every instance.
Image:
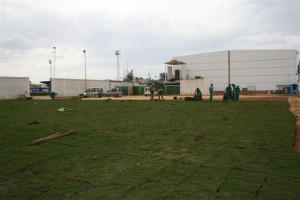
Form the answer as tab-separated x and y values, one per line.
12	87
253	69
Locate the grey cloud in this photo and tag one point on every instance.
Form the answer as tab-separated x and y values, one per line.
16	42
147	38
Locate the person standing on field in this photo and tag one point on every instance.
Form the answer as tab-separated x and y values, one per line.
151	91
228	92
160	94
233	91
236	93
211	92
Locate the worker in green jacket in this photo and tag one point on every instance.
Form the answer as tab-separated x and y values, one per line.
52	94
236	93
198	94
211	92
228	92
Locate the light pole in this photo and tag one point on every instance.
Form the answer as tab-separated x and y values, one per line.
54	61
84	51
298	72
50	62
117	54
229	67
165	73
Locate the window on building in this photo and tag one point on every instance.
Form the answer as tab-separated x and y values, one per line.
177	74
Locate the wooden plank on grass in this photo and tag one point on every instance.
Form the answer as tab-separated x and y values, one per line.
50	137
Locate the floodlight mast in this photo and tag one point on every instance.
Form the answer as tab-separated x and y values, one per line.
54	61
229	67
85	83
50	62
118	52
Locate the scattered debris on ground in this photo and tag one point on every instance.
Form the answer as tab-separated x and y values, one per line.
63	109
34	122
295	109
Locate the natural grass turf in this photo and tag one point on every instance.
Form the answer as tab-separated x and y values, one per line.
148	150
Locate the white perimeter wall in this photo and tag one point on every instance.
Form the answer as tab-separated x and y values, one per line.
12	87
74	87
188	87
263	69
114	84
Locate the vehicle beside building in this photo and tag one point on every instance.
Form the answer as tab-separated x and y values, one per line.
115	92
92	92
39	91
147	91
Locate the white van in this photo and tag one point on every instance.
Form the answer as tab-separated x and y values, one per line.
92	92
116	92
147	91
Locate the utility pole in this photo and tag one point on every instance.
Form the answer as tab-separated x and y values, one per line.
149	75
298	72
84	52
165	73
54	60
228	67
50	62
127	67
118	52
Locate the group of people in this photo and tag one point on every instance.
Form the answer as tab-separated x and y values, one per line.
198	93
232	92
159	93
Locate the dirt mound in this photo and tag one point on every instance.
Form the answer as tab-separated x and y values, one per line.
295	109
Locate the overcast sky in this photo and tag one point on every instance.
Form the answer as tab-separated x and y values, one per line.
148	32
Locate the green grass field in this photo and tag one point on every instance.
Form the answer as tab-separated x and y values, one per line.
148	150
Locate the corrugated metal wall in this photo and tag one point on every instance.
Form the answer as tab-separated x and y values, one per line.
262	69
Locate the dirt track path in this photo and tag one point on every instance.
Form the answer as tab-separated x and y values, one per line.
295	108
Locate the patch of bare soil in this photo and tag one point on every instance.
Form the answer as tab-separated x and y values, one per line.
295	109
263	98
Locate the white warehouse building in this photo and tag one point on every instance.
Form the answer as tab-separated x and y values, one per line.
261	70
